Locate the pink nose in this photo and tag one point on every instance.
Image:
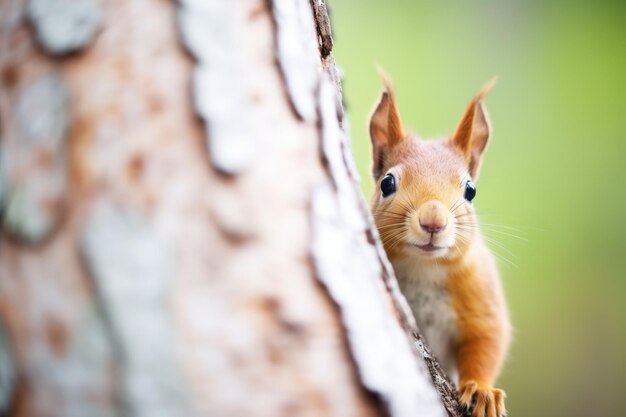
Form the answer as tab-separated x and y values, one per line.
432	216
432	227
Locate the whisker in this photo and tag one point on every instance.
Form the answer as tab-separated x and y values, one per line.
391	225
457	205
398	241
504	258
390	218
495	242
388	235
493	228
390	213
523	239
394	239
463	238
504	226
406	205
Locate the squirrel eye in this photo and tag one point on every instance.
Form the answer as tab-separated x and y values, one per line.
470	191
388	185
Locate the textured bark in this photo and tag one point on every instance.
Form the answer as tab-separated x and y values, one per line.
182	232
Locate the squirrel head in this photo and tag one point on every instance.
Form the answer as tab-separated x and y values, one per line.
422	202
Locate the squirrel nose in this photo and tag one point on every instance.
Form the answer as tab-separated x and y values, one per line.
433	217
432	227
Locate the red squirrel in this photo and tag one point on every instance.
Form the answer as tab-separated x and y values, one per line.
422	206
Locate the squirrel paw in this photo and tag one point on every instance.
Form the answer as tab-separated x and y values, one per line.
482	401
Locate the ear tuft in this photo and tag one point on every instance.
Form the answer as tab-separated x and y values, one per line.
386	129
472	133
486	89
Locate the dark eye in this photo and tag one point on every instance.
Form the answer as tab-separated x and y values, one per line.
388	185
470	191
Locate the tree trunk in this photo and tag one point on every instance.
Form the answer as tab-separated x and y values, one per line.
182	231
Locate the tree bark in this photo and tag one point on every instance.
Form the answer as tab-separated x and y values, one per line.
182	231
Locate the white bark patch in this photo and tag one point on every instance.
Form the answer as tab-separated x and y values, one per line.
213	32
64	26
133	269
42	111
298	53
7	372
35	177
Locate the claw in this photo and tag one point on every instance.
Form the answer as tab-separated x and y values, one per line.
467	394
499	397
482	401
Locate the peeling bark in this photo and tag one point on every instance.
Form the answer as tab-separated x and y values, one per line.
296	49
182	231
64	26
223	84
37	168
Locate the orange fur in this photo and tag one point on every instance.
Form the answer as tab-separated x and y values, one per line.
452	263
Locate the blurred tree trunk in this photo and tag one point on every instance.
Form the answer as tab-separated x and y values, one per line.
182	232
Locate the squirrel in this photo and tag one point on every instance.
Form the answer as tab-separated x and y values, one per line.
422	207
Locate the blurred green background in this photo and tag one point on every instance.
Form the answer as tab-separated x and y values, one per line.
553	176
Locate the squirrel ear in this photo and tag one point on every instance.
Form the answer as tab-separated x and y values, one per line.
386	129
472	133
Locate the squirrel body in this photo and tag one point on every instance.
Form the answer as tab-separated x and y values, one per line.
423	209
429	298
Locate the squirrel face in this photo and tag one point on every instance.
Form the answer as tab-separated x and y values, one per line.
422	205
423	199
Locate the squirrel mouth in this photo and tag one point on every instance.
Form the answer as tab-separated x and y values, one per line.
429	247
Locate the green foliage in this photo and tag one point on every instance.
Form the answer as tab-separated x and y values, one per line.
553	174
